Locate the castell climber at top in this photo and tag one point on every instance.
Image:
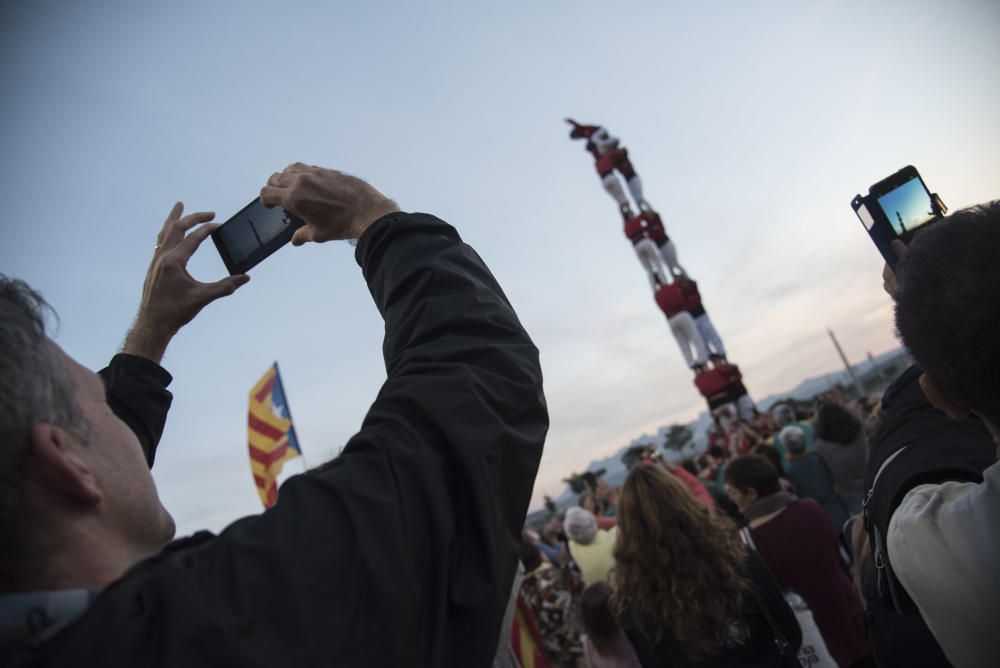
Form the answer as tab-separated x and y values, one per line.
718	380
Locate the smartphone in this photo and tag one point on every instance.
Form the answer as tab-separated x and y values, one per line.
256	231
897	207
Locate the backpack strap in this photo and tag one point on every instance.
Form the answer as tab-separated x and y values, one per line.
885	580
787	648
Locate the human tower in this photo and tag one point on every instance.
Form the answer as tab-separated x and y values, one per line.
676	293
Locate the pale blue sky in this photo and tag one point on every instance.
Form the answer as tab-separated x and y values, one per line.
752	125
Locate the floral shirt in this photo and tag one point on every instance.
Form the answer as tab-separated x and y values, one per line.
552	595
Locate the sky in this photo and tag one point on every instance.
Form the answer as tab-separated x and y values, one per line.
752	126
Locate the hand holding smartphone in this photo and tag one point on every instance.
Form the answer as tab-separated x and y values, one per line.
253	234
897	207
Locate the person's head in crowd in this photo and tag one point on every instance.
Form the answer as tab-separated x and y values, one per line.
793	438
784	414
837	424
598	618
528	553
607	496
677	563
750	478
588	501
947	287
580	525
72	475
550	532
771	454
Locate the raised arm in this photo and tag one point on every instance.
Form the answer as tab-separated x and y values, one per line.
136	384
401	551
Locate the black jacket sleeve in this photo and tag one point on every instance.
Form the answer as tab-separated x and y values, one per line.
401	551
137	392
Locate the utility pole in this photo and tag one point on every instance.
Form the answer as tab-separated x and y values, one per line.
847	365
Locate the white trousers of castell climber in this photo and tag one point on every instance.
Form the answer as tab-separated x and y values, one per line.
744	407
649	257
613	185
712	339
686	333
635	187
668	252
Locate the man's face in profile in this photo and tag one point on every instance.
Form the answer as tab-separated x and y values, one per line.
129	504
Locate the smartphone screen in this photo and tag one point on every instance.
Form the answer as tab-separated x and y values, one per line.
253	234
897	207
907	207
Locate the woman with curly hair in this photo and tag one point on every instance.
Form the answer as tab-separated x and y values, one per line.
688	592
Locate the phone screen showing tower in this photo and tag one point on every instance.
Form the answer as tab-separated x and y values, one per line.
908	206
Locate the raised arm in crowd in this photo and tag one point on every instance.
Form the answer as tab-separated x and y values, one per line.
401	551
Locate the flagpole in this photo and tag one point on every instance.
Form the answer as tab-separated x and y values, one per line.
288	408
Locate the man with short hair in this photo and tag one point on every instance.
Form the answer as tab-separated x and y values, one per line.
943	540
400	551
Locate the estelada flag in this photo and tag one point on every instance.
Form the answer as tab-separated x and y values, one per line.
270	433
525	640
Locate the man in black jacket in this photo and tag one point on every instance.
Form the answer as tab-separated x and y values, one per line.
399	552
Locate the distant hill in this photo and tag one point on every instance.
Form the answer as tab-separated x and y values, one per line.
872	377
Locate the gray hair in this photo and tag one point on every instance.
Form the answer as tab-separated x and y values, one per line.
793	438
35	386
580	525
784	414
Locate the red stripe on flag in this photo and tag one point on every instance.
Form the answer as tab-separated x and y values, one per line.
270	489
268	458
538	656
266	390
264	428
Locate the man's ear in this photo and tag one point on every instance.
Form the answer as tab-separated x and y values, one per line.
941	399
59	466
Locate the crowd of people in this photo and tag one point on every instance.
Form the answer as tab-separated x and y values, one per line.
763	475
867	529
829	538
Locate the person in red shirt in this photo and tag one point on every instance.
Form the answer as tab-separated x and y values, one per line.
645	250
608	157
671	301
722	385
705	327
741	397
646	230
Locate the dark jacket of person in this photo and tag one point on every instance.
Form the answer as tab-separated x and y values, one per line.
401	551
758	648
812	480
915	444
846	462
